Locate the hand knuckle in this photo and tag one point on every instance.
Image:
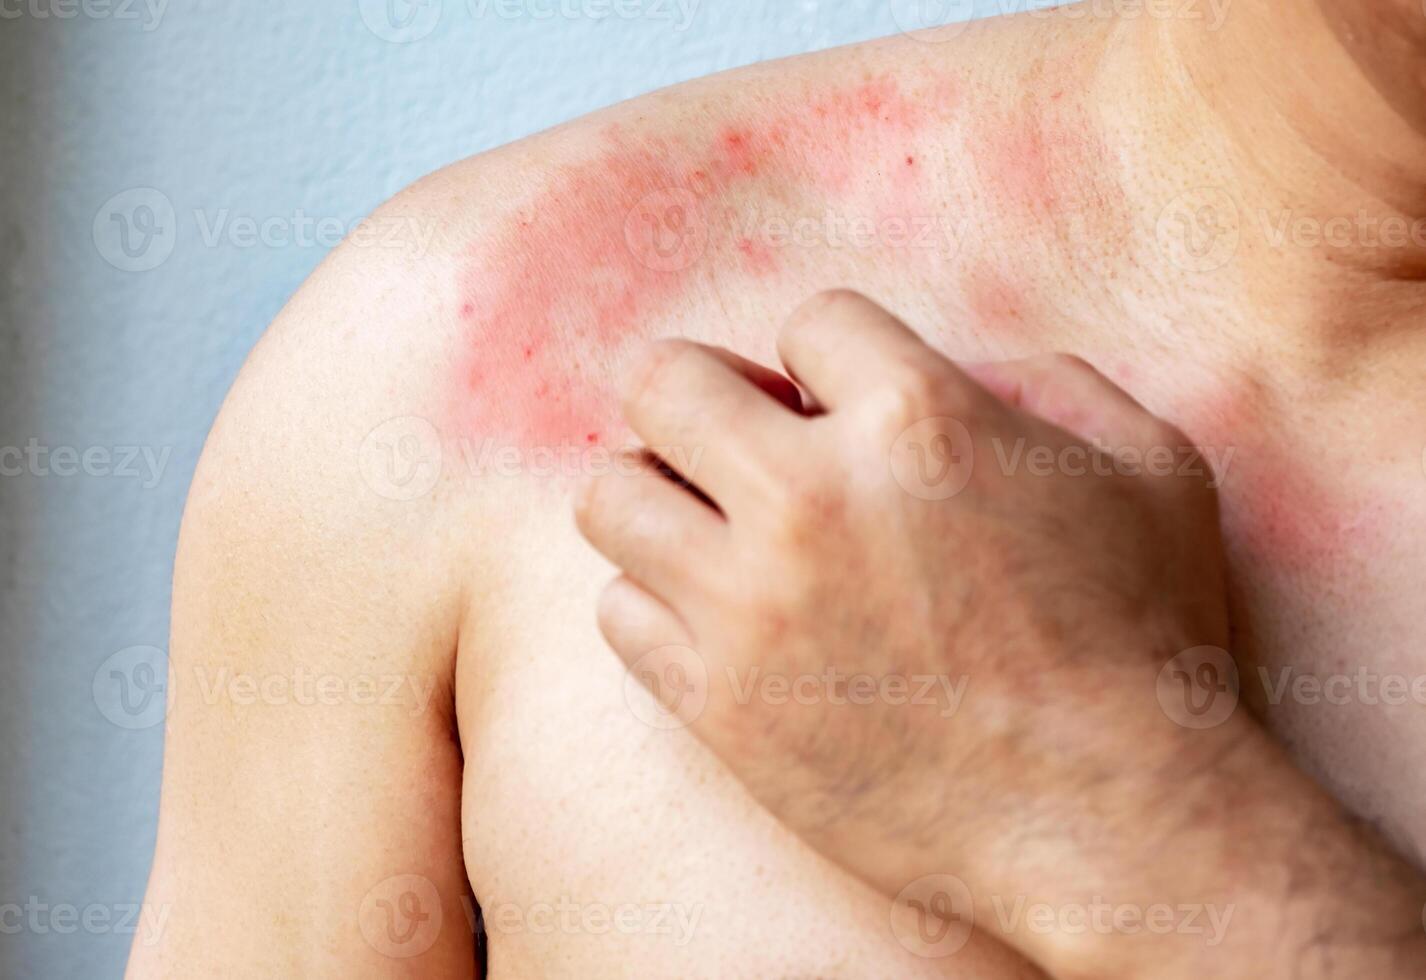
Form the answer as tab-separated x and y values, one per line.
587	501
814	312
649	374
1068	363
914	395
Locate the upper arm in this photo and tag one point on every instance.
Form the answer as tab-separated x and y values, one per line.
310	815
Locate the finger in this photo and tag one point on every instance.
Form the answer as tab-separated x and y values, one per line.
653	530
1069	392
779	386
840	344
699	411
635	621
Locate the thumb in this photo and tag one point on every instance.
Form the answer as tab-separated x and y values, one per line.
1069	392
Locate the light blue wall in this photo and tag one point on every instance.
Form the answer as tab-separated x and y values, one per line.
224	109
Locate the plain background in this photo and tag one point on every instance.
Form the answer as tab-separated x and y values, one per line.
141	145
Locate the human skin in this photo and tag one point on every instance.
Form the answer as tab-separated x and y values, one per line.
527	778
816	550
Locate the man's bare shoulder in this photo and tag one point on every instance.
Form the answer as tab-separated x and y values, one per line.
474	326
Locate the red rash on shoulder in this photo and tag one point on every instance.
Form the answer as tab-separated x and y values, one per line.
758	257
550	303
1044	160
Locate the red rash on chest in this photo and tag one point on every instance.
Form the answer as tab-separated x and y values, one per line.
1284	503
995	304
1282	511
551	302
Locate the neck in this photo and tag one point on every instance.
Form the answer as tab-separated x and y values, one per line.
1292	85
1270	126
1387	40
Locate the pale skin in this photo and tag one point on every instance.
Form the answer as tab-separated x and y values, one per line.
814	548
510	764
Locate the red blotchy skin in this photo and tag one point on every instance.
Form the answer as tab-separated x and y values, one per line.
1279	502
1045	161
1285	514
997	307
552	302
758	258
1028	174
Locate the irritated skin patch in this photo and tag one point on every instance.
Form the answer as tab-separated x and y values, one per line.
1284	501
550	305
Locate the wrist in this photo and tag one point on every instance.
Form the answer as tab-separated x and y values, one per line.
1258	873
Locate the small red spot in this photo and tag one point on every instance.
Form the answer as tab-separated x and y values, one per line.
740	155
910	161
468	310
592	438
757	257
